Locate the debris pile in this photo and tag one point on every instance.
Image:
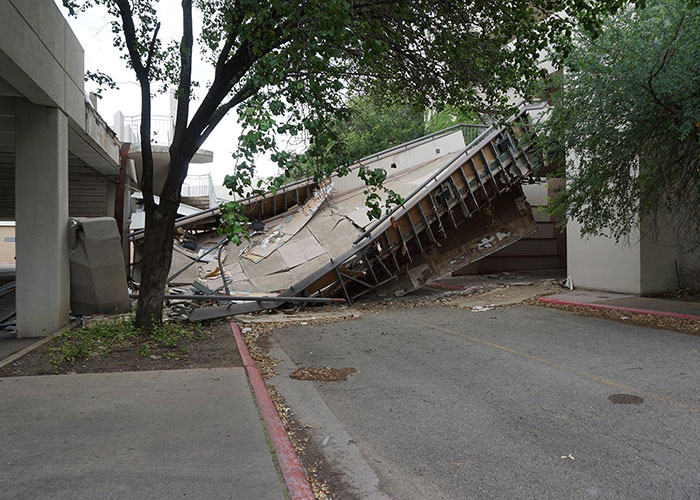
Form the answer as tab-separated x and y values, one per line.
314	241
322	374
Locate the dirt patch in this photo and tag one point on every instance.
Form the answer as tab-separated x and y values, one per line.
322	374
681	325
625	399
214	348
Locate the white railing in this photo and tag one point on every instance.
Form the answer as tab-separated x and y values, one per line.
162	129
199	185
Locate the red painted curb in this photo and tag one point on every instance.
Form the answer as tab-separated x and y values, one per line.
619	308
294	474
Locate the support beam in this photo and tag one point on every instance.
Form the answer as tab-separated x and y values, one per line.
41	206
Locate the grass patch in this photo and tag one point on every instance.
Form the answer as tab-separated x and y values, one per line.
102	338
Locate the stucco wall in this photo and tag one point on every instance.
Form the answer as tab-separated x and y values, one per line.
665	264
601	264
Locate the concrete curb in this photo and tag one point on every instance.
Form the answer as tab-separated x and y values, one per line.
294	474
619	308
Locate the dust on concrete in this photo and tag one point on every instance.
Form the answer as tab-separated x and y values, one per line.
504	296
317	315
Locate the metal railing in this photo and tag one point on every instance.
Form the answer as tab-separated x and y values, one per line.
483	136
470	130
162	129
197	185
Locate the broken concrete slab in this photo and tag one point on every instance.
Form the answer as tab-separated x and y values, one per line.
502	296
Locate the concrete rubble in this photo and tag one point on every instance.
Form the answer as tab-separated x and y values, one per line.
314	239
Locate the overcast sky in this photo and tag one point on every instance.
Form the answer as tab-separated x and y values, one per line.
93	29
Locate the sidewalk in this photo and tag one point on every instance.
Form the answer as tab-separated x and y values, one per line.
631	303
159	435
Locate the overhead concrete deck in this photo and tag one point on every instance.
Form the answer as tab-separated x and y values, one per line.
47	129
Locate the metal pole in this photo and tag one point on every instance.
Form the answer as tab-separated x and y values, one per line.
198	259
119	197
223	275
251	298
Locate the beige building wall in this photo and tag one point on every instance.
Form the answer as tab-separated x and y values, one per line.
665	264
648	262
599	263
7	242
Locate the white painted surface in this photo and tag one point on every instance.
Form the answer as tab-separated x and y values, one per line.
598	262
410	157
648	262
601	264
43	286
537	194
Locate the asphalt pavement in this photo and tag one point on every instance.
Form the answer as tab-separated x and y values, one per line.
514	403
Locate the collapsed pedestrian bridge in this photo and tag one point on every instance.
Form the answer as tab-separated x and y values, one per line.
461	202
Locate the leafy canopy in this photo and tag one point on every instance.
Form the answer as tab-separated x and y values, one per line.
629	111
285	67
448	116
370	125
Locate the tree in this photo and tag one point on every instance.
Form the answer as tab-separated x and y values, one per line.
283	67
373	126
369	126
448	116
628	111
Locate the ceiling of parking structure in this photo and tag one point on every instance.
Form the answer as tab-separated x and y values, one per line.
83	150
8	90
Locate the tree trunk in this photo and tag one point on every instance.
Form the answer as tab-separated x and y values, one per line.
155	265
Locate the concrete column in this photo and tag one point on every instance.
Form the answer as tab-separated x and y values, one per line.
41	206
111	194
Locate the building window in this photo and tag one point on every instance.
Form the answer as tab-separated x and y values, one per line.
9	239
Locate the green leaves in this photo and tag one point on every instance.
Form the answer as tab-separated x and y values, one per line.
234	223
101	79
627	119
286	68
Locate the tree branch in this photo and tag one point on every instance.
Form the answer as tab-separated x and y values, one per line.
247	91
236	20
151	49
130	38
184	90
143	76
654	74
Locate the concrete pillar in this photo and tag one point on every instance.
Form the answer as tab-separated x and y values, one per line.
111	195
41	206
